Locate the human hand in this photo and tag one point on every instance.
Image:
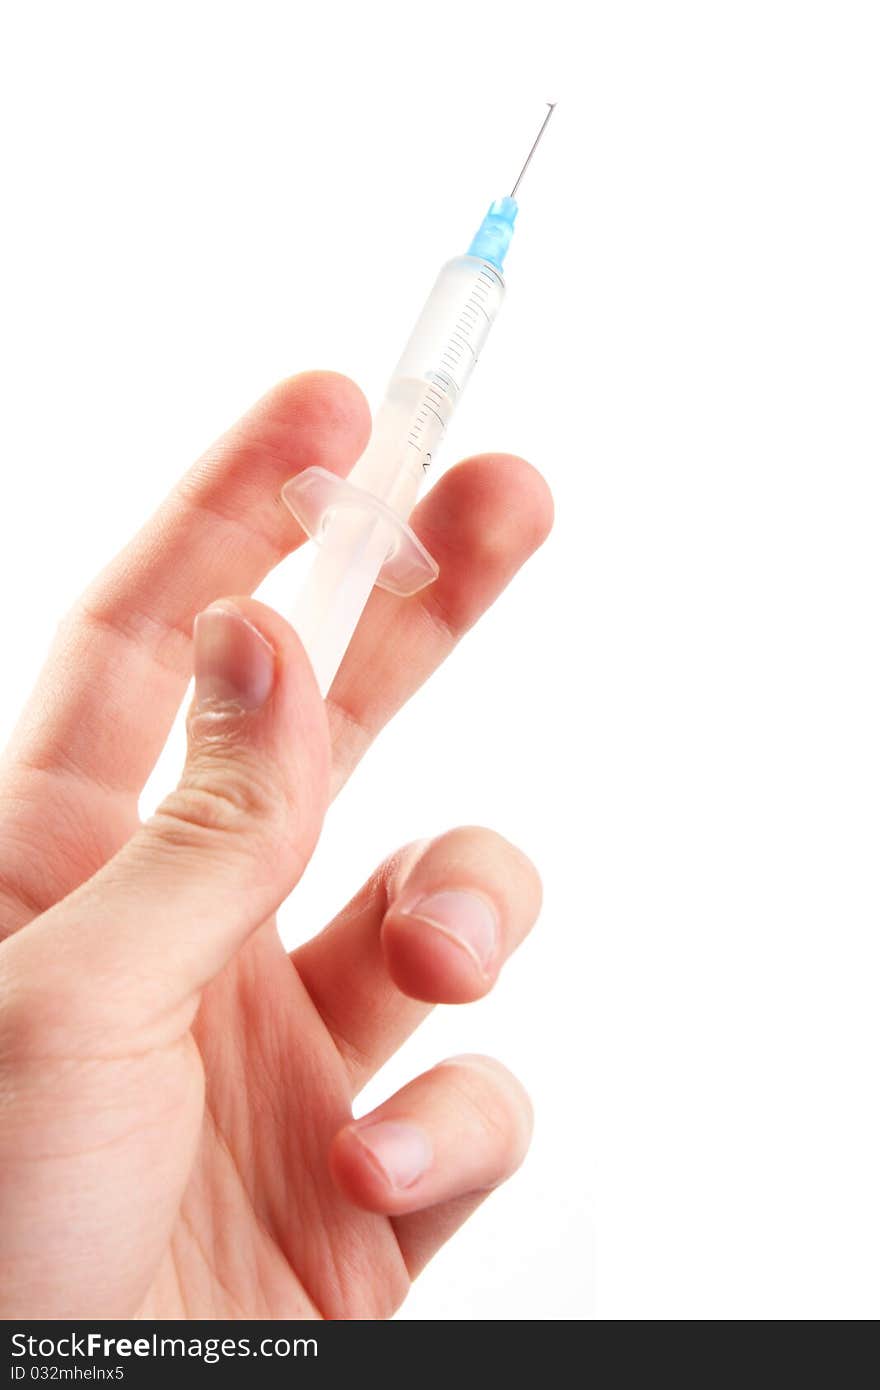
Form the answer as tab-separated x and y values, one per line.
176	1136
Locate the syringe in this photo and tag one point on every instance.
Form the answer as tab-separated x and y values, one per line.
361	522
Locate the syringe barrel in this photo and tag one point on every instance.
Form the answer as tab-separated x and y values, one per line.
428	382
357	541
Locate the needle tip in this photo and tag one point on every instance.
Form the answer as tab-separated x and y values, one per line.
551	105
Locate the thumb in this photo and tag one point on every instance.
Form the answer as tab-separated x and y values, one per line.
149	930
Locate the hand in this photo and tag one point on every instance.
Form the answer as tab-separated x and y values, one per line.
176	1137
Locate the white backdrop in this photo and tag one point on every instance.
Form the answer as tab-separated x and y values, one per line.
674	708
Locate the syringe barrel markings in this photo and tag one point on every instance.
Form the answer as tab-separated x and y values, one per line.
428	381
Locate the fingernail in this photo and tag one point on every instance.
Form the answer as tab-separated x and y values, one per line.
466	918
401	1151
234	663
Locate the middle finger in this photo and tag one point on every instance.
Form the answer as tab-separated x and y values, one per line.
434	925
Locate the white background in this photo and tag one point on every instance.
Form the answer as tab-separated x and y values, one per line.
674	710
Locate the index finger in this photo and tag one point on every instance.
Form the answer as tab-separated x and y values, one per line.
121	662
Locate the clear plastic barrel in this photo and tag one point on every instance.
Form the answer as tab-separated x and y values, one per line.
360	524
428	381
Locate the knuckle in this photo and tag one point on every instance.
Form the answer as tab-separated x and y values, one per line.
232	802
391	876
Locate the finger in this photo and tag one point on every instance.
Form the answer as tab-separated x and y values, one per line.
118	669
421	1234
434	924
221	530
460	1129
136	942
481	522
